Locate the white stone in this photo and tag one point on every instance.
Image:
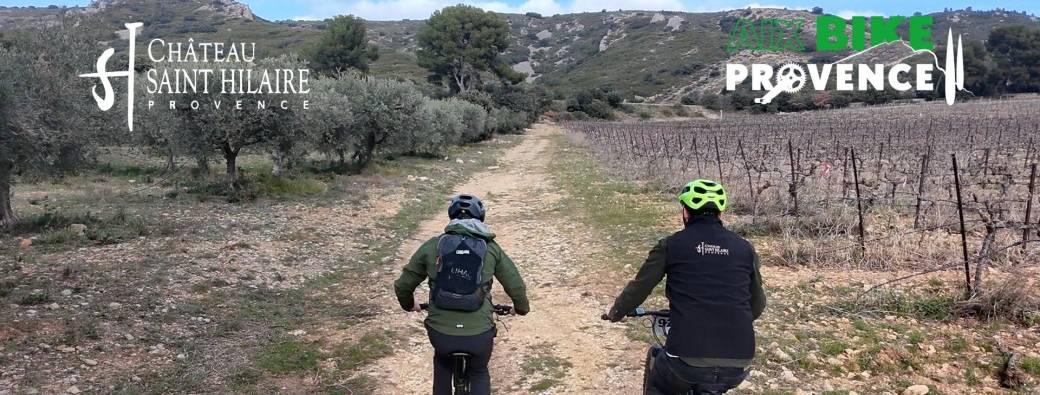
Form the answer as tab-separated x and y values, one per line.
918	389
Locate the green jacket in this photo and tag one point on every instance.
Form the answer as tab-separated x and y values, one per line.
653	271
423	264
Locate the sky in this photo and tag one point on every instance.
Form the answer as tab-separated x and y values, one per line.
420	9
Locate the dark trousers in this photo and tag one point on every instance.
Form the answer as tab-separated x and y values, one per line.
672	376
478	346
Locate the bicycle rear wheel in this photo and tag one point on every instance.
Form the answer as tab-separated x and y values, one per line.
460	377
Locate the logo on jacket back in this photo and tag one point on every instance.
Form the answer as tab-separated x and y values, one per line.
711	249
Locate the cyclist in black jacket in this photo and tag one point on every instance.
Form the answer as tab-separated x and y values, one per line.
714	292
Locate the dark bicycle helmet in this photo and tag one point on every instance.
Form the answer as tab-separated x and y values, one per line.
466	206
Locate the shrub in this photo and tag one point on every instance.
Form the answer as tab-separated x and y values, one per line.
442	126
532	100
614	98
572	116
840	100
690	98
711	101
384	113
506	121
474	122
480	98
598	109
1008	300
597	103
739	100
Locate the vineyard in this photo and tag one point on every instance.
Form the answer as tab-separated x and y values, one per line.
922	187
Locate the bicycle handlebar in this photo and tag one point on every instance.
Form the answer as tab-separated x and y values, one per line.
641	312
500	309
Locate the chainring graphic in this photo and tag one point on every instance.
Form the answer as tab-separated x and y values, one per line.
790	78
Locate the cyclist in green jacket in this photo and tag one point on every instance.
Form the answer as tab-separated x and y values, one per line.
460	265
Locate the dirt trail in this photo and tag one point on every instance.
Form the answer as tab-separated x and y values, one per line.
565	299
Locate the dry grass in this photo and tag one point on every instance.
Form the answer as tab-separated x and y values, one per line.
170	291
1012	300
822	324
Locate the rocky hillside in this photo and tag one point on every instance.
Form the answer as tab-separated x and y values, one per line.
658	55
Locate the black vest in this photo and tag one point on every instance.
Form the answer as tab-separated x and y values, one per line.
708	287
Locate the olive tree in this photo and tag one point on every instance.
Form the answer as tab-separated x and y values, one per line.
381	110
440	125
157	127
48	120
474	121
228	122
330	119
289	139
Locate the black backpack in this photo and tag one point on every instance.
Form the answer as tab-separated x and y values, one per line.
460	265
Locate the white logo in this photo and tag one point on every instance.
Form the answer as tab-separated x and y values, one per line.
791	78
457	271
461	252
711	249
201	59
105	102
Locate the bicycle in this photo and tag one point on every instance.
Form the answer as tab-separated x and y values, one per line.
460	373
660	324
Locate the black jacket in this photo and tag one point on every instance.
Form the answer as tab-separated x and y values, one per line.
714	290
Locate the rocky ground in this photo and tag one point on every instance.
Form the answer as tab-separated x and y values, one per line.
294	295
161	290
818	335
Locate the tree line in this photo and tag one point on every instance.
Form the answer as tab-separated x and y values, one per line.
49	126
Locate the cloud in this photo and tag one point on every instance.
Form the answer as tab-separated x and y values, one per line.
421	9
780	6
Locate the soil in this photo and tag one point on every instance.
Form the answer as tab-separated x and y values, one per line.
552	255
806	343
569	287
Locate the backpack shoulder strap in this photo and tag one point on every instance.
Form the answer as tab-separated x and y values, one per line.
445	244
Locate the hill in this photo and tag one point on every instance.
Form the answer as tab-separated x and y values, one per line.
657	55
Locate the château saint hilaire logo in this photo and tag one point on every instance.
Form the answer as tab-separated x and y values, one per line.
189	72
775	35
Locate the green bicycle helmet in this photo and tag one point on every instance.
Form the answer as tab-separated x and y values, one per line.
700	193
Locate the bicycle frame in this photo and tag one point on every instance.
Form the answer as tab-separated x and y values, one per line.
660	323
460	377
460	374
